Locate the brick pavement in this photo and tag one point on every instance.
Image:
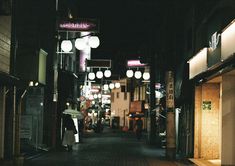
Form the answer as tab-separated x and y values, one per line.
107	149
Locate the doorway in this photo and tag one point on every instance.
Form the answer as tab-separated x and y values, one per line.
207	138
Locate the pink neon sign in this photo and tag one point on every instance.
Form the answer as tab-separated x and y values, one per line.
77	26
135	63
90	25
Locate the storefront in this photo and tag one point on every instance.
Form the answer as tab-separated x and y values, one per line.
213	70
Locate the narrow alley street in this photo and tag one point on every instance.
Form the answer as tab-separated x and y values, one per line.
110	148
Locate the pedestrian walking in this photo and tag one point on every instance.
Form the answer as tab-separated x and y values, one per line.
138	128
70	130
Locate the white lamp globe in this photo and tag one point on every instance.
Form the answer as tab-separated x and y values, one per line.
99	96
107	73
138	74
95	96
99	74
66	45
117	85
91	76
94	41
111	85
106	87
129	73
146	76
80	43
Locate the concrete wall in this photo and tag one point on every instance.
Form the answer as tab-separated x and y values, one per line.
5	43
228	120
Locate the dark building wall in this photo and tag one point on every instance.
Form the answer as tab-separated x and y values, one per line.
203	19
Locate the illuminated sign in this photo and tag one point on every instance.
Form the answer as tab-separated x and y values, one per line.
198	63
214	41
135	63
227	41
90	25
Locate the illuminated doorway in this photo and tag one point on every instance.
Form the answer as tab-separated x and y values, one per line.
214	120
207	138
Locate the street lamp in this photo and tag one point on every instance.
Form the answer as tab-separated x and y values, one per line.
99	74
66	46
107	73
91	76
129	73
93	41
80	43
146	76
138	74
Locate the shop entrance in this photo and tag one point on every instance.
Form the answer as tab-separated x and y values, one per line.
207	138
214	120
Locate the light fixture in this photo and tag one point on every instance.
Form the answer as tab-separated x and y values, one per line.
31	83
106	87
107	73
129	73
138	74
66	46
93	41
91	76
95	96
117	85
111	85
99	96
36	84
146	76
80	43
99	74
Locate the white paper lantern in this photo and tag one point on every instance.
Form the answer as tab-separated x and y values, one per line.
80	43
95	96
138	74
94	41
91	76
107	73
99	96
66	45
117	85
146	76
111	85
99	74
106	87
129	73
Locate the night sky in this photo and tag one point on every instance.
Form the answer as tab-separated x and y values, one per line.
129	28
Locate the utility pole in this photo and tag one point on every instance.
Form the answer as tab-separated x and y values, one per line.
170	118
151	111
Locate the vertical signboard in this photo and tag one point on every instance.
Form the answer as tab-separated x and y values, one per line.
170	90
170	118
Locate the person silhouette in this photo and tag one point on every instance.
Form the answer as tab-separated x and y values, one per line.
70	130
138	128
